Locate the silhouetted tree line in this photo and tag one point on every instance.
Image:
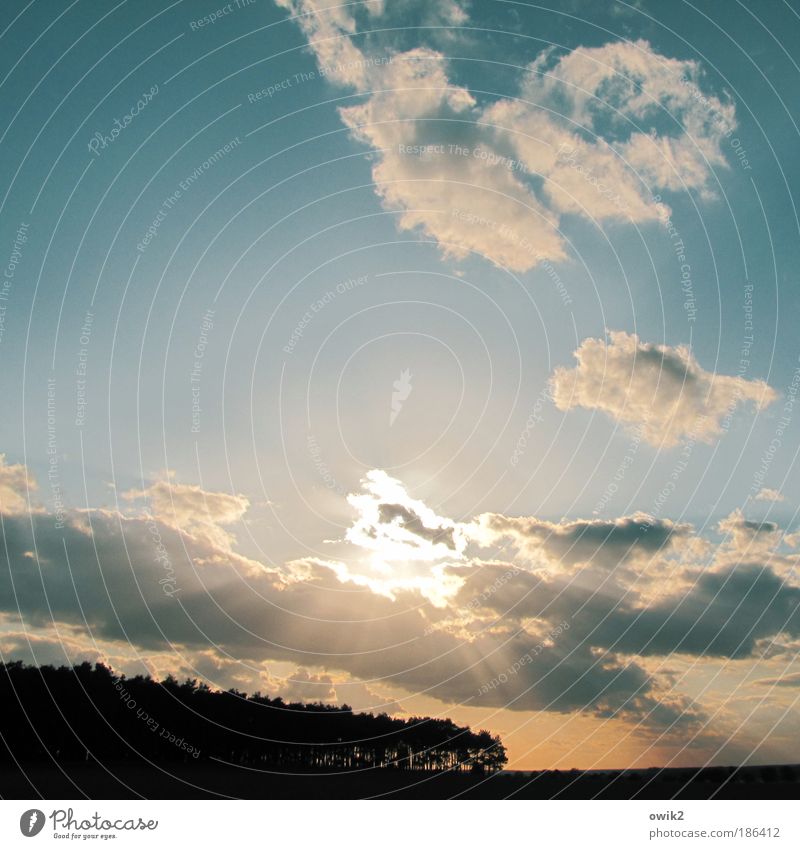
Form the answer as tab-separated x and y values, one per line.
83	712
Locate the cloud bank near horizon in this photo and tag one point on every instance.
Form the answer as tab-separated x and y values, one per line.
570	620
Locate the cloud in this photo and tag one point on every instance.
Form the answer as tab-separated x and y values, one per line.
593	132
660	391
415	123
190	509
722	609
15	482
791	679
781	646
398	527
593	542
746	535
110	588
648	106
302	686
363	699
767	494
723	615
501	637
399	516
305	686
406	542
56	649
328	25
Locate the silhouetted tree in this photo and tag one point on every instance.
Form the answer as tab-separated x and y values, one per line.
83	711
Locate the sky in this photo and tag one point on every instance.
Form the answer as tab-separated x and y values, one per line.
433	357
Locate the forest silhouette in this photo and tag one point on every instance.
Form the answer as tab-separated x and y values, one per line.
69	714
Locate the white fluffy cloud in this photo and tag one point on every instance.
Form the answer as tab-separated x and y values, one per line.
752	537
660	390
767	494
406	543
398	527
594	132
303	686
474	200
193	510
328	25
648	106
14	486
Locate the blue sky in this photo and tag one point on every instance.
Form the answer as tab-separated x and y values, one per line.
575	304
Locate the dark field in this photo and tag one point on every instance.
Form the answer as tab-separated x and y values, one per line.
205	780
